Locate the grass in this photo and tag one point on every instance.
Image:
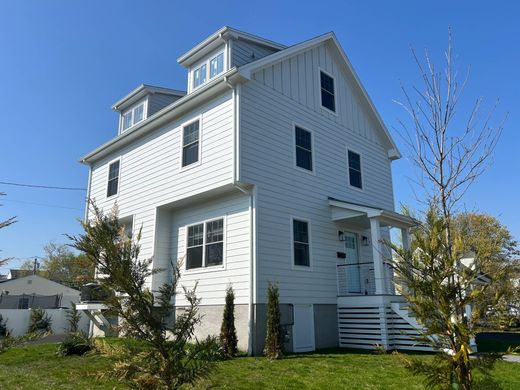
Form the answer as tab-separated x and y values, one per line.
37	367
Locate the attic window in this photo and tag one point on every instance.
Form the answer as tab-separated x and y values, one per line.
209	69
132	116
328	99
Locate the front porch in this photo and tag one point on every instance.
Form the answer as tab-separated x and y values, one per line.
370	313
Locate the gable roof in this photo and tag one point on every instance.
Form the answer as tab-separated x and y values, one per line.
247	70
140	92
5	283
218	38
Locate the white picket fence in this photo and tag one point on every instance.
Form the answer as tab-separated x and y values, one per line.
18	320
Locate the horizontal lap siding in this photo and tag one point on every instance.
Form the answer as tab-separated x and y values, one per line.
277	96
150	173
212	282
242	50
157	101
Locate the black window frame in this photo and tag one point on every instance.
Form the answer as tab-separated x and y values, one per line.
113	179
354	171
210	242
300	149
325	91
192	145
298	244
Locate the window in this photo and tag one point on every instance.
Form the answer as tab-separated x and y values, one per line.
303	142
327	92
354	169
113	179
216	65
199	76
301	243
133	116
205	246
190	144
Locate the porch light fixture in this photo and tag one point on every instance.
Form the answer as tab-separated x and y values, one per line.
364	241
341	235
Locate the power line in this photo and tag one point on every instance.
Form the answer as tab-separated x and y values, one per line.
41	204
40	186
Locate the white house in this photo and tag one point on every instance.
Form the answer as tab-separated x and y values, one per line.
274	166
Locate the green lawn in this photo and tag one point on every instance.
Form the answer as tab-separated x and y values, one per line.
38	367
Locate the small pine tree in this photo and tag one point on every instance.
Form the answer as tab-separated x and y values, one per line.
3	327
73	318
228	333
40	321
273	341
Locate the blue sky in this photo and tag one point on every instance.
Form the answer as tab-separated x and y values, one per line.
63	63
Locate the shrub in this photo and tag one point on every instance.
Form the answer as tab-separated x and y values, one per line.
75	344
273	341
40	321
73	317
3	327
228	333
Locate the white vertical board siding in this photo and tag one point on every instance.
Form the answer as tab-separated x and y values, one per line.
244	52
213	281
287	93
150	173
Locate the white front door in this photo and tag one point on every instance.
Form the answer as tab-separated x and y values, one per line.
352	259
303	328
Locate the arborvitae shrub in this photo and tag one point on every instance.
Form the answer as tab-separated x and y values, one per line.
228	333
273	348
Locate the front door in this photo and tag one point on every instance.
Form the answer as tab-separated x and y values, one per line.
303	328
352	259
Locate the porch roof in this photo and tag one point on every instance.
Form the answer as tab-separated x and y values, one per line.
359	213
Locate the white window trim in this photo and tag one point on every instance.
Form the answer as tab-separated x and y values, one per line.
205	268
181	132
207	60
313	151
311	263
145	114
335	91
116	195
362	189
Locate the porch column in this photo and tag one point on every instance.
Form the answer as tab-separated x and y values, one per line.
379	276
405	238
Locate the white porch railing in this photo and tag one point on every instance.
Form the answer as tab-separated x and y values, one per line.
359	279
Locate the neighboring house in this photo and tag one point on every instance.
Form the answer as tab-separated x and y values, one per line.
20	295
36	291
274	167
19	273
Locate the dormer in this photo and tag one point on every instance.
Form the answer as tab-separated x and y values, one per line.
143	102
220	52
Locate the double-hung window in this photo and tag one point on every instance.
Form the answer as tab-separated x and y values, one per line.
205	246
133	116
190	143
328	98
199	76
354	169
303	144
113	179
301	243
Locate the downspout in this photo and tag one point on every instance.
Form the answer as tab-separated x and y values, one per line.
87	203
252	211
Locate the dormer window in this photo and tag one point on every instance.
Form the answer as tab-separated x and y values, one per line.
216	65
132	116
199	76
209	69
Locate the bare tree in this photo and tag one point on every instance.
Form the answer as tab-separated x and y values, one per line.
4	224
450	153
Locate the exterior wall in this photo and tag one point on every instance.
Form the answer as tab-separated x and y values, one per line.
18	321
151	174
213	281
157	101
244	52
270	104
212	320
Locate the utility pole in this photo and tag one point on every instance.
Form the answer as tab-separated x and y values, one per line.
35	267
